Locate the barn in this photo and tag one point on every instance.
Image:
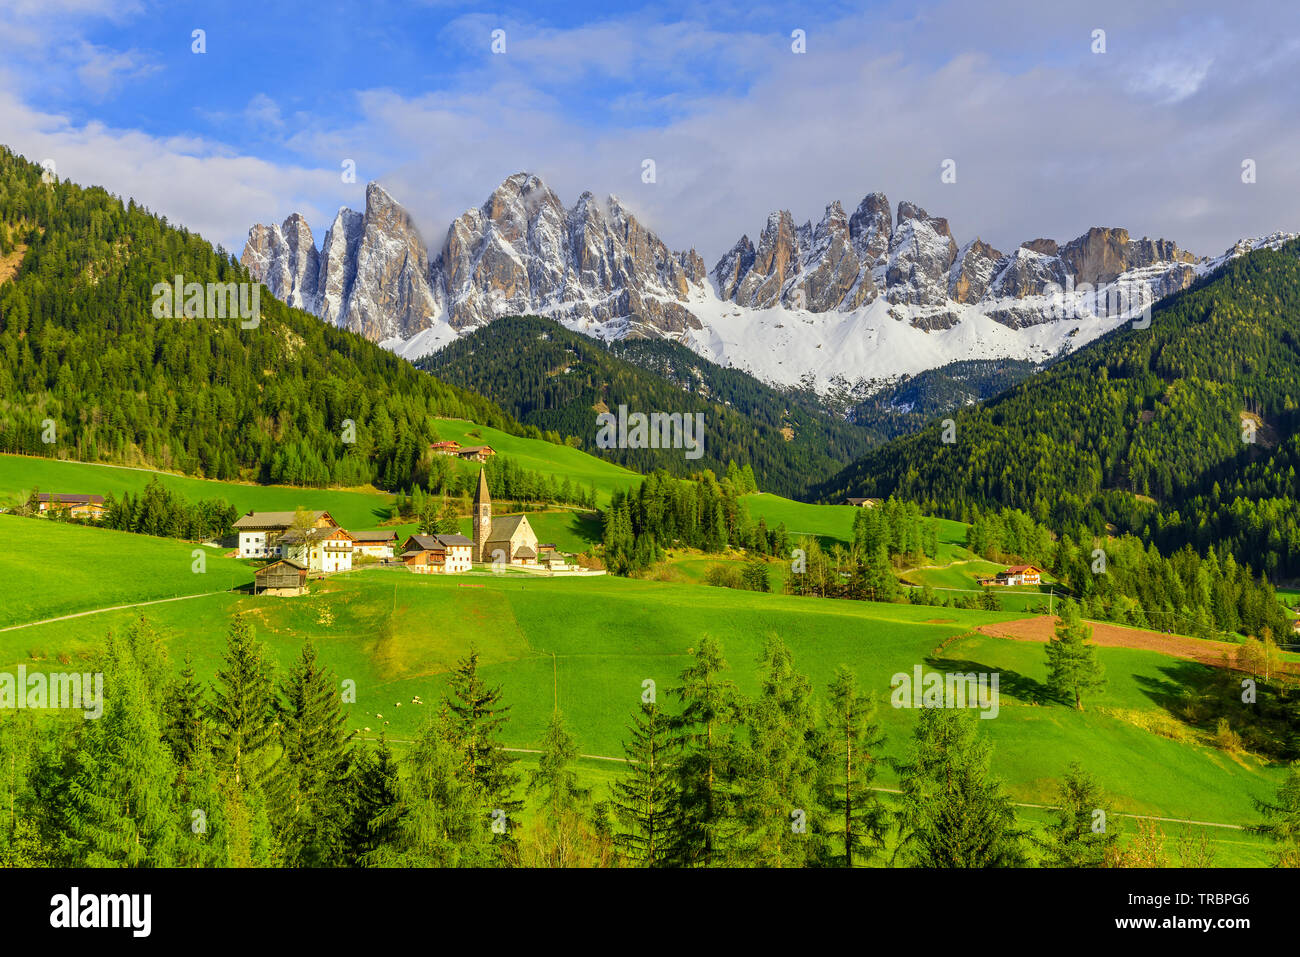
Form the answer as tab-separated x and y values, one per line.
284	579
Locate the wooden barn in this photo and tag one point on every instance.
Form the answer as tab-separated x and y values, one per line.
284	578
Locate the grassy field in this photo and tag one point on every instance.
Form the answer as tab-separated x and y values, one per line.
558	460
52	568
586	645
19	474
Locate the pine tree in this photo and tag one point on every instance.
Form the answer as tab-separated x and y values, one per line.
778	817
561	835
316	759
1281	823
110	799
645	795
952	813
856	819
185	716
478	717
440	818
709	707
1084	830
1072	666
243	705
375	812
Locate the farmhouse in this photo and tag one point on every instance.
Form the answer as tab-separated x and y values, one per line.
323	549
476	453
445	448
508	540
283	578
259	531
1016	575
76	505
437	554
380	544
861	502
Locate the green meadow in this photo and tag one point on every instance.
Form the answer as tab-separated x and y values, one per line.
588	645
20	474
52	568
560	461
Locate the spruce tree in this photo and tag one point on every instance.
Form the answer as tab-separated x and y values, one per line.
952	813
856	820
645	795
1072	666
111	800
375	812
243	705
184	712
316	758
708	715
778	818
1084	830
439	819
1281	823
477	719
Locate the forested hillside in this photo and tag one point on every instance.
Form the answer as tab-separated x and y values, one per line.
1183	432
558	381
88	372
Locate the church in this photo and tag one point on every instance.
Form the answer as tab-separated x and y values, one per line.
509	540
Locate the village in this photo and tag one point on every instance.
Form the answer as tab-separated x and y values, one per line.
299	546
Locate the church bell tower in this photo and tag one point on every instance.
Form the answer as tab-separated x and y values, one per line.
482	517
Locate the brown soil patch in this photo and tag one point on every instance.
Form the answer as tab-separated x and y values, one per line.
9	264
1043	627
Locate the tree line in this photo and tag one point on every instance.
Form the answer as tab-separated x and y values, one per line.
700	512
258	769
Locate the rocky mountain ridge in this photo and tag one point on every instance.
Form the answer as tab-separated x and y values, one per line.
881	290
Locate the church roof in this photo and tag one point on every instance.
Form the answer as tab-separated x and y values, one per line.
505	526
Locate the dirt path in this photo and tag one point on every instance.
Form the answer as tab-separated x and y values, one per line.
96	611
1043	627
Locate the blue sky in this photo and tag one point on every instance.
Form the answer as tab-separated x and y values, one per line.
1048	136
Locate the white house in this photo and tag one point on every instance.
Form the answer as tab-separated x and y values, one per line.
327	549
260	531
438	554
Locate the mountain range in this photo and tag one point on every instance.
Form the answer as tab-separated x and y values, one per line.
846	305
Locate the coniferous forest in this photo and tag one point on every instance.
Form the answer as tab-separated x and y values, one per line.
88	372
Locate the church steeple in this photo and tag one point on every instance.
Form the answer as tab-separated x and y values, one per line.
482	516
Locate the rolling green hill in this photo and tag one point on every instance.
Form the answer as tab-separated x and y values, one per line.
586	645
1182	433
558	380
88	371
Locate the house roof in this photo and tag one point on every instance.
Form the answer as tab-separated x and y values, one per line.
523	551
1017	569
274	519
437	543
283	561
293	536
474	449
416	553
64	499
380	535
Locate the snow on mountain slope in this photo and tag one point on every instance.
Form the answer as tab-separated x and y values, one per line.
858	300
